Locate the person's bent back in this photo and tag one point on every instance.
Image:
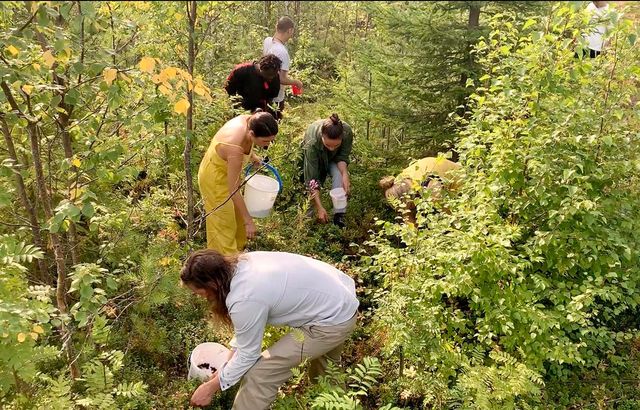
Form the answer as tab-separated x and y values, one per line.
255	82
430	172
277	288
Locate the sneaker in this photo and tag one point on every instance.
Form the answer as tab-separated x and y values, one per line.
338	220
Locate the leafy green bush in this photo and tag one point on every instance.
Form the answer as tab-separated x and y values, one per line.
339	389
531	269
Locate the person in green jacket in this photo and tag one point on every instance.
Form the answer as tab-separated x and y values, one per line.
325	150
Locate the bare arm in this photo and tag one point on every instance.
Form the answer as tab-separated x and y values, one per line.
286	80
234	157
234	168
346	181
342	166
204	394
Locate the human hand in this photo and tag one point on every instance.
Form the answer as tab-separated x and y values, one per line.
250	229
297	83
323	216
256	160
203	395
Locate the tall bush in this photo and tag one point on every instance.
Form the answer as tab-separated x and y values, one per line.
531	269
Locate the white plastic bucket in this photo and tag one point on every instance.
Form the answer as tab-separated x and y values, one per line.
260	193
206	359
339	198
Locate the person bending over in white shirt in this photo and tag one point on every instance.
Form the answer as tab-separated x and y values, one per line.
277	45
253	289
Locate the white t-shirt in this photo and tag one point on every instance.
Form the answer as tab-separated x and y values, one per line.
594	37
281	288
273	46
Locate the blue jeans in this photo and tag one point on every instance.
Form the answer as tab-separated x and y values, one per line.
336	182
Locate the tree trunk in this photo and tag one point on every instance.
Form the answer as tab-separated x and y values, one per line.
61	288
192	14
267	14
472	25
26	202
63	123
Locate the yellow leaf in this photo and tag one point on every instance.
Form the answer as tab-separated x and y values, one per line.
21	337
75	193
185	75
164	90
36	66
147	64
49	58
76	162
165	261
199	89
33	335
38	329
168	73
109	75
14	51
181	106
27	89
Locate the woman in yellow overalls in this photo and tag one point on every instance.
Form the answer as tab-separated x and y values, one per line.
229	226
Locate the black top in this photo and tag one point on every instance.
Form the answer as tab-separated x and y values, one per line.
245	80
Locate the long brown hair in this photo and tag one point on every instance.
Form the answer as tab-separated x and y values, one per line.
210	270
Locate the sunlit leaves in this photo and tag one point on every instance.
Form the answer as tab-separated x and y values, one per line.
48	58
173	83
12	50
27	89
165	90
531	266
147	64
109	74
181	106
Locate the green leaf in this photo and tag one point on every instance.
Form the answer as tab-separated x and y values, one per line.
81	317
54	226
86	291
111	283
528	24
88	210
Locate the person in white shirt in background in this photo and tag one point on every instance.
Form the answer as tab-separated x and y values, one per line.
253	289
277	45
595	42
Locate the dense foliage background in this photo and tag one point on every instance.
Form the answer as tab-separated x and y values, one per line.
519	290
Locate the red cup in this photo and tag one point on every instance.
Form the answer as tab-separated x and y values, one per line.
296	90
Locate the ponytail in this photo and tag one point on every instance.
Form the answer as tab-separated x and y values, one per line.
332	127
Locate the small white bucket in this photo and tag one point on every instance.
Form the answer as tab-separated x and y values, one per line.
260	194
339	198
206	359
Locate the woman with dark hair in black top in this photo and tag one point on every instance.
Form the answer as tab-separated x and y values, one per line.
256	83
